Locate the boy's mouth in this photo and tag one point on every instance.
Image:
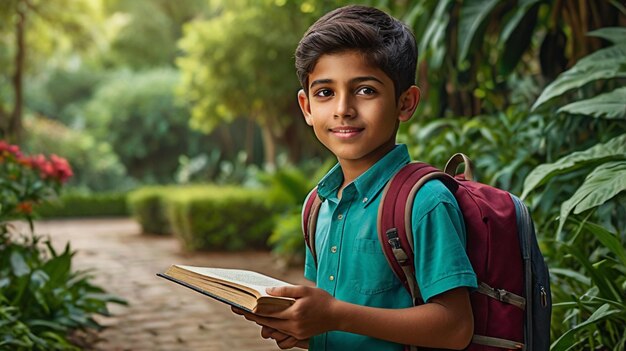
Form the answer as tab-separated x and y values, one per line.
346	132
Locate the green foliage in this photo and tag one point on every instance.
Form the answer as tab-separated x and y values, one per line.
84	204
289	187
606	63
136	113
147	205
133	43
608	105
591	306
96	166
41	298
220	218
239	64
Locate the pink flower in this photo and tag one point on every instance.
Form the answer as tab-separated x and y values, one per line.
6	148
61	168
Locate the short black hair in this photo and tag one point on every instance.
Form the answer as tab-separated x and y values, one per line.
384	42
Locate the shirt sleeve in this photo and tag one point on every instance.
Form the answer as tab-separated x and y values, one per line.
310	270
441	263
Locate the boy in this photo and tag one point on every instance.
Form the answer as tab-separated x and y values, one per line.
357	66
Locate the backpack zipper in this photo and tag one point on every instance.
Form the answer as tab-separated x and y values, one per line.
544	296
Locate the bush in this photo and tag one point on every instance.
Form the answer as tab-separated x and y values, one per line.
79	204
41	298
95	164
220	218
147	207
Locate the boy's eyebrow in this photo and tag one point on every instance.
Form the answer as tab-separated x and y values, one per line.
353	80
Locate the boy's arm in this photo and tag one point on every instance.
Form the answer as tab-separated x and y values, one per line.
446	321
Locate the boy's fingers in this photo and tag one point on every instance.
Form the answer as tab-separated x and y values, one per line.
287	291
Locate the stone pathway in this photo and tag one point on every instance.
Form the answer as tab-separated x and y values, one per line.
161	315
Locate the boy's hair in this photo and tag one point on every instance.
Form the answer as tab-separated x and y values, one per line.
384	42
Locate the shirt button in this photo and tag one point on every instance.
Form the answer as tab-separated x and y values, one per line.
331	278
333	249
364	200
340	216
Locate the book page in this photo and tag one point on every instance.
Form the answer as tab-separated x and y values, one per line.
252	279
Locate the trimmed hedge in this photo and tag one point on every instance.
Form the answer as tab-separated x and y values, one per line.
147	207
85	205
206	217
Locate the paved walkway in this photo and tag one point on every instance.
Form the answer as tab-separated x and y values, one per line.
160	315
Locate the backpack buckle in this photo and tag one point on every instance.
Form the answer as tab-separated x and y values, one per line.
392	238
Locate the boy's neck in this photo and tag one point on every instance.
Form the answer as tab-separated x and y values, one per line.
352	169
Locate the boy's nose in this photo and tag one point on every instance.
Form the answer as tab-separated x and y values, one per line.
344	108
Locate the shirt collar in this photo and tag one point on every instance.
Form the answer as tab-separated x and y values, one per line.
371	182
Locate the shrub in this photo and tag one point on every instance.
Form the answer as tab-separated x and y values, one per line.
81	204
147	207
220	218
41	298
96	166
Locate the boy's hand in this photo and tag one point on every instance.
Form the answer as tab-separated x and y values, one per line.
283	341
310	315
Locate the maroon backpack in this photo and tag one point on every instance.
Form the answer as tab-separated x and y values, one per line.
512	305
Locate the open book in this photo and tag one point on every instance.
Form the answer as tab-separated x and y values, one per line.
240	288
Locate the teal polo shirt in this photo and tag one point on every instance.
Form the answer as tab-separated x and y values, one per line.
351	263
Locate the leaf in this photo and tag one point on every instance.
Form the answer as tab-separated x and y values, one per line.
435	35
614	149
605	63
579	277
615	35
610	240
517	34
601	185
19	266
611	105
567	339
472	14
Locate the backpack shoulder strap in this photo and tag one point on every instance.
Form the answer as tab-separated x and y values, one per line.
310	211
394	220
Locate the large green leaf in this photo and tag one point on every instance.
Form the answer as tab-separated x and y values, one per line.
603	64
613	150
613	34
610	240
434	37
517	34
472	15
567	340
601	185
610	105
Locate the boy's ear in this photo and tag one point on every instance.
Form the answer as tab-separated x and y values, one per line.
305	106
408	103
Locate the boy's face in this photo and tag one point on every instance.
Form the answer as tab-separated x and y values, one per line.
353	110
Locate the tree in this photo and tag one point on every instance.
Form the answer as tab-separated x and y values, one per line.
239	64
34	31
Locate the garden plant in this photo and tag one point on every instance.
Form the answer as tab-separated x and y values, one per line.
43	301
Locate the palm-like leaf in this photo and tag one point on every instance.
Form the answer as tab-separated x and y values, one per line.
615	35
603	64
613	150
601	185
473	13
610	105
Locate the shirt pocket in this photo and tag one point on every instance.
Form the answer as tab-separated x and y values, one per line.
372	274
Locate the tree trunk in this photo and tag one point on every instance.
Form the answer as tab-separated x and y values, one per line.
269	147
250	141
14	128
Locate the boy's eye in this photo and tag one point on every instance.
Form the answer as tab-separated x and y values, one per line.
324	93
366	91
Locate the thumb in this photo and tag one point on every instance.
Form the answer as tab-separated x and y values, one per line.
294	291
